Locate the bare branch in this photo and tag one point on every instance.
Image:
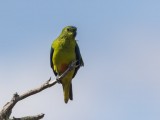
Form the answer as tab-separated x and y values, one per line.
7	109
36	117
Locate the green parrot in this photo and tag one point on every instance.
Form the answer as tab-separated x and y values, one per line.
64	51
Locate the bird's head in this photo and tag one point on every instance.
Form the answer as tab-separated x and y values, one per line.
69	31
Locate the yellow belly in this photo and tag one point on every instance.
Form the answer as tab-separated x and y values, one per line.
62	59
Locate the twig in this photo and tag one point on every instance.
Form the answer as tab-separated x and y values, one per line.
7	109
36	117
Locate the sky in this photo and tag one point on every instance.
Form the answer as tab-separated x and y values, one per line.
120	44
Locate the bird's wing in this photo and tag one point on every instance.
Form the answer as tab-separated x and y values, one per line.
79	60
51	62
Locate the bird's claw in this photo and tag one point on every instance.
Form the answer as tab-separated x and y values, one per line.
73	64
58	80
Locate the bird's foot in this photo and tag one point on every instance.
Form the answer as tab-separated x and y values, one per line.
73	64
58	80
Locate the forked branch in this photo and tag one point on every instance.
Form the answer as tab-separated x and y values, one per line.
7	108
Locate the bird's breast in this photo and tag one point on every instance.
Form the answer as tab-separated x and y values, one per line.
62	59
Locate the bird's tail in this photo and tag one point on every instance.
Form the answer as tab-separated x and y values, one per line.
71	92
67	91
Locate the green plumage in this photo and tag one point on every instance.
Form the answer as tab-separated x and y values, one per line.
65	50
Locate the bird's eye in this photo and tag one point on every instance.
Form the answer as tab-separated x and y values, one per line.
68	29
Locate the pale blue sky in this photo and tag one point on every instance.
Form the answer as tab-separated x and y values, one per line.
119	42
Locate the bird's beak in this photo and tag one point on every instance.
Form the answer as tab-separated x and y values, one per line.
74	33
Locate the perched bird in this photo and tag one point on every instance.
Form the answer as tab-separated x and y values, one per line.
64	51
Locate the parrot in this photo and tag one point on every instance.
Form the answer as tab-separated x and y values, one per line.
64	51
